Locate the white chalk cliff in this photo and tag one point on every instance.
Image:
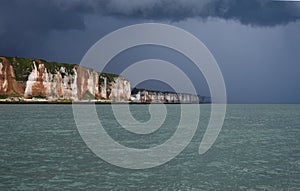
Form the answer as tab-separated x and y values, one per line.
65	82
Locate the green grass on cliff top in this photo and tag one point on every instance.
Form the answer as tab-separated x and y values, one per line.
23	67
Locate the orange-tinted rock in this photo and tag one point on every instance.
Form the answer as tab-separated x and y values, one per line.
8	84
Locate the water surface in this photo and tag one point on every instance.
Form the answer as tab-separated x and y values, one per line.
257	149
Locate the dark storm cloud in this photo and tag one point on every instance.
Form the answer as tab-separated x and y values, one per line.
25	24
253	12
30	21
69	14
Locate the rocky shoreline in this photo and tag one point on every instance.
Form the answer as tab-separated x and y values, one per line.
25	80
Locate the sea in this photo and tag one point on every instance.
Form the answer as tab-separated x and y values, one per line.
258	148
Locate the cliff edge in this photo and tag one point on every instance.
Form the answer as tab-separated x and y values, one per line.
24	79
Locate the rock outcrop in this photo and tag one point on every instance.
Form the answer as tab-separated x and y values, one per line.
8	84
148	96
32	78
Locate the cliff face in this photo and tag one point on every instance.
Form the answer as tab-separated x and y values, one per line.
8	84
148	96
29	78
120	88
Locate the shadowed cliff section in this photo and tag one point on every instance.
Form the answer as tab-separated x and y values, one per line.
26	79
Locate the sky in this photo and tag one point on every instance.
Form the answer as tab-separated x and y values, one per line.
255	43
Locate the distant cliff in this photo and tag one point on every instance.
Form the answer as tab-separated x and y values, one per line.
23	79
152	96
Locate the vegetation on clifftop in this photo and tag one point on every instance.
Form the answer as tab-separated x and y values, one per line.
23	67
109	77
55	66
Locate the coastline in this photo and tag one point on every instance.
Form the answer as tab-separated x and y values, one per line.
36	81
86	102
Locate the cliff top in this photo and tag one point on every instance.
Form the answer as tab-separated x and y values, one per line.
23	67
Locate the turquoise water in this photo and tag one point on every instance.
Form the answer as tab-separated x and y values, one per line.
258	149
